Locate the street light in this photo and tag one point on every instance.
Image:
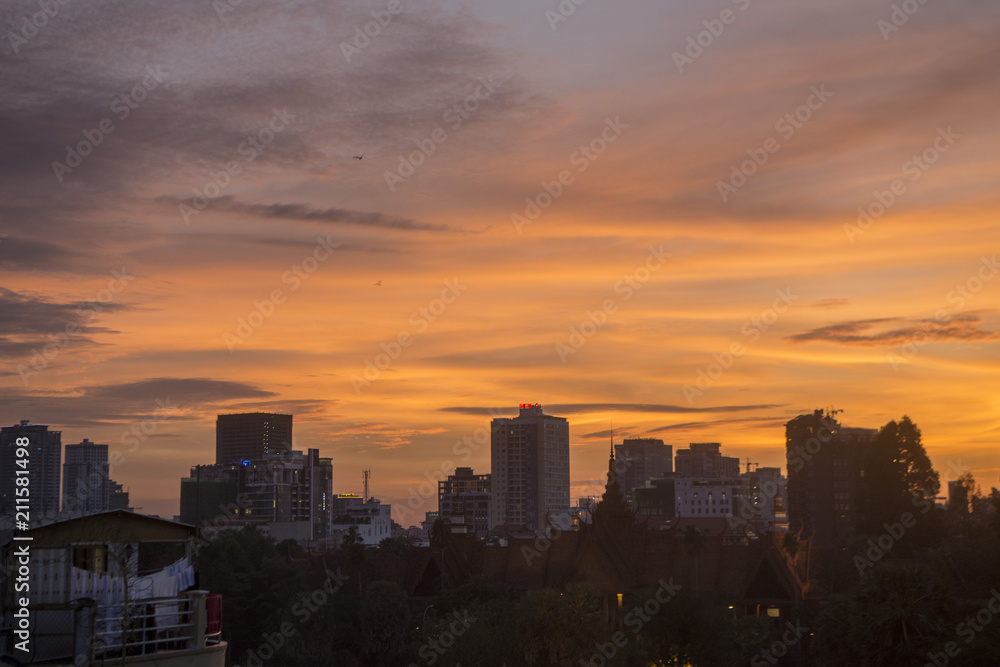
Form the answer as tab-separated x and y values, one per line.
424	617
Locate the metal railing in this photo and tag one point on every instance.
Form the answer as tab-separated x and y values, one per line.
144	627
89	632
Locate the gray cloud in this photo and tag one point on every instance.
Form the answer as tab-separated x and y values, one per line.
29	322
168	399
221	79
892	331
332	215
180	390
577	408
758	422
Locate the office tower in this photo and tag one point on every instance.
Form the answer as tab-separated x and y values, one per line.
289	494
703	459
640	459
251	436
530	457
44	456
87	487
211	491
825	472
467	494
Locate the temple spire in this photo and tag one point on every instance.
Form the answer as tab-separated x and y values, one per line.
612	508
612	472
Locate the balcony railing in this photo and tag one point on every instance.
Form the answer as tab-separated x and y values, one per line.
91	633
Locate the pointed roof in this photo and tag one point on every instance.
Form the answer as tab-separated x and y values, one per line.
613	509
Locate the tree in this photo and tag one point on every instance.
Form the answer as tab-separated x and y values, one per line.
692	630
254	580
898	478
694	544
290	549
385	618
560	628
491	610
440	534
354	546
392	546
895	616
964	492
974	540
790	543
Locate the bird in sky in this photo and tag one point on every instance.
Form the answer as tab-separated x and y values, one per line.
358	157
378	284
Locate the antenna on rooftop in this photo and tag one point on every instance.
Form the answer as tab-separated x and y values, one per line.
367	475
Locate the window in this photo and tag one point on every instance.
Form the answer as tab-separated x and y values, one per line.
91	558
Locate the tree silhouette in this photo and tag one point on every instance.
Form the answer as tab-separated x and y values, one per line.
255	581
385	617
790	543
896	615
965	490
560	628
694	544
392	546
898	478
440	534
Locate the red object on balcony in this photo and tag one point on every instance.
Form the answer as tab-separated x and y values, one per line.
213	613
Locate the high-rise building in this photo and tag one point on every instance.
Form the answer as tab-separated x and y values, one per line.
287	494
640	459
44	448
825	471
252	436
467	494
210	492
530	477
703	459
87	487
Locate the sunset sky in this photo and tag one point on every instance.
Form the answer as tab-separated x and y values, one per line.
677	182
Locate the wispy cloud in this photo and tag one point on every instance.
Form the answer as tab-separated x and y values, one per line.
126	402
29	321
559	409
303	212
756	422
892	331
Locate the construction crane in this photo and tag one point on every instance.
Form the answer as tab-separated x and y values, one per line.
751	463
367	475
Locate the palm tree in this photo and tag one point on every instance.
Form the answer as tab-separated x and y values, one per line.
440	539
354	546
440	534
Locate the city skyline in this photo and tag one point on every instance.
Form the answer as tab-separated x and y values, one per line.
691	223
421	492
